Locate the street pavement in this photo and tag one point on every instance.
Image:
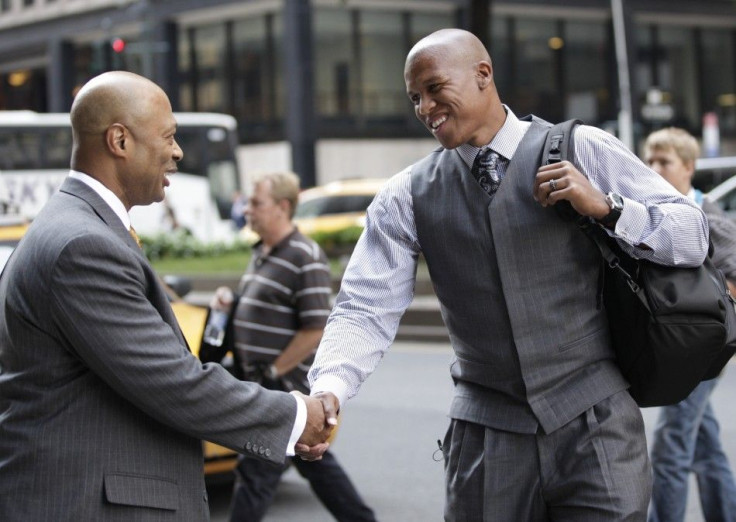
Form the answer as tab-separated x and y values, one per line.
388	438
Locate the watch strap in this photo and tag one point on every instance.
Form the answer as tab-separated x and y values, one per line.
610	219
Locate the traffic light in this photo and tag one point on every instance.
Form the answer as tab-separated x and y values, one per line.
118	45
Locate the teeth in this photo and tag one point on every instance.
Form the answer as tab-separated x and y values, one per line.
436	123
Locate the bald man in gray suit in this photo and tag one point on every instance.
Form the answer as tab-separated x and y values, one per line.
102	406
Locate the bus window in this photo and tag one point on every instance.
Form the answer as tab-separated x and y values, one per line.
35	151
221	170
57	148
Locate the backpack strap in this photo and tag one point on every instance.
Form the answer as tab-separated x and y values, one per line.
559	146
559	143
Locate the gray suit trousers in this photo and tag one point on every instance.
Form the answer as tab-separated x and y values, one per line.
594	468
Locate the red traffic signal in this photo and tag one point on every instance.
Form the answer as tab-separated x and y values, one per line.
118	45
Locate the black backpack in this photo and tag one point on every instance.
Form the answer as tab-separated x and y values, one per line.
670	327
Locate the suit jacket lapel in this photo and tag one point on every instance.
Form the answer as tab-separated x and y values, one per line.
79	189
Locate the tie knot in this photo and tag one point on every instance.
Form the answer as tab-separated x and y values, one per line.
487	158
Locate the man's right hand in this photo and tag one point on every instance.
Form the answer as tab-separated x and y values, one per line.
222	299
317	430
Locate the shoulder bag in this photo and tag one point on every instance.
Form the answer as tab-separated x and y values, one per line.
670	327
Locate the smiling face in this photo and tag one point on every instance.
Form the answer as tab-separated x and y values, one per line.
123	131
154	155
449	80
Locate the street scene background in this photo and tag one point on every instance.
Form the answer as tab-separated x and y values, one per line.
389	434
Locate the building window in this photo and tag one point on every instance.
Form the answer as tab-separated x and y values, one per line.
359	68
383	52
187	69
252	73
336	73
535	89
501	51
586	80
423	24
666	66
256	74
23	89
718	77
209	43
235	67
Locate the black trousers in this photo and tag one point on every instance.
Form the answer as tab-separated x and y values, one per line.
257	481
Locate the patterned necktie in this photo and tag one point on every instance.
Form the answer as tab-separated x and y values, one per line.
135	236
485	172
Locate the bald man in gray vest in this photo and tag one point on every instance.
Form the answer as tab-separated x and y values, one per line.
542	426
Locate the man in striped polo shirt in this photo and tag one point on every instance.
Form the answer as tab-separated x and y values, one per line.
281	308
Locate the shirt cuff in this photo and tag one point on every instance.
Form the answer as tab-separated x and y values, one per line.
332	384
299	424
630	225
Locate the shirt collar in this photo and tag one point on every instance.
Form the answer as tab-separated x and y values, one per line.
696	196
505	142
259	244
106	194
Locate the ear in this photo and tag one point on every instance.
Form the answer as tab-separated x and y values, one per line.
484	74
690	166
285	205
116	139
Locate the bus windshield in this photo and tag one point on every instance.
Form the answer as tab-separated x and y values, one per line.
35	151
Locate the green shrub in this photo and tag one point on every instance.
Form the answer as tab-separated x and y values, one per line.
180	244
338	242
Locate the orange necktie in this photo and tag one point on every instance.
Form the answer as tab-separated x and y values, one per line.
135	236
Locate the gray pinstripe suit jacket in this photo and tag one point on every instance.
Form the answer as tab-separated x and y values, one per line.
102	407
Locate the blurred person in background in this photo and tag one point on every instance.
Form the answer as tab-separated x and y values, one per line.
237	210
276	321
686	438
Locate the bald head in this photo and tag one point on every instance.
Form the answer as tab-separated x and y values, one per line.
449	80
111	97
123	129
456	45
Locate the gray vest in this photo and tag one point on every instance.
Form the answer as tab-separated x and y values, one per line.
517	286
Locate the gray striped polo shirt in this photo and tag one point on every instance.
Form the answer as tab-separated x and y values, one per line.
280	293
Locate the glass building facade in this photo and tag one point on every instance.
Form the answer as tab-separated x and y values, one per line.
359	62
550	59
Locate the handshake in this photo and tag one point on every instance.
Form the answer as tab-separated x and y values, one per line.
322	411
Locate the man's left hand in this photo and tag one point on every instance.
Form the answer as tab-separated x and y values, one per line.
562	181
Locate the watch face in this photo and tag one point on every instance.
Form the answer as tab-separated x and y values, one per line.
615	201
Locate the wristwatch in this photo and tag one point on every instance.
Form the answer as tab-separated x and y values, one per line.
616	205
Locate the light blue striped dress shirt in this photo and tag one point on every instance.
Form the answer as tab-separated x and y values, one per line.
378	284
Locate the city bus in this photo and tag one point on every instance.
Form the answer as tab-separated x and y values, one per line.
35	151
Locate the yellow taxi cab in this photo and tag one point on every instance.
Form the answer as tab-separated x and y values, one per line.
332	207
217	459
336	205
